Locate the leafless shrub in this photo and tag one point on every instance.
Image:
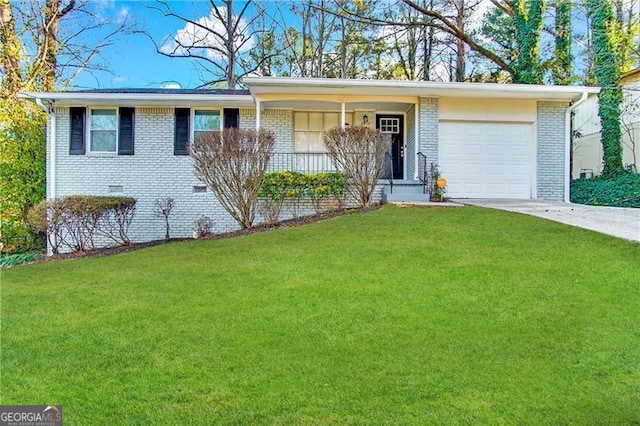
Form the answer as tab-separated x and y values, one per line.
162	209
203	226
233	163
114	224
73	222
358	152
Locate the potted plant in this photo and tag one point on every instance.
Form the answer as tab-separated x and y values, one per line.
438	186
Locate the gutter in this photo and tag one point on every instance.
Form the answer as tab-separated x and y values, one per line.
51	178
567	146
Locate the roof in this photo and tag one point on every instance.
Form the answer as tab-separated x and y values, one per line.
327	90
146	97
630	76
347	87
136	90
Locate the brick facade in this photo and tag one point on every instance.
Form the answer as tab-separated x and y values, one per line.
551	150
428	128
154	172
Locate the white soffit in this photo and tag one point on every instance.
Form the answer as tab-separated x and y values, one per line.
389	88
142	99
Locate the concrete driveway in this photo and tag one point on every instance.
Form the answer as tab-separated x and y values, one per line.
617	221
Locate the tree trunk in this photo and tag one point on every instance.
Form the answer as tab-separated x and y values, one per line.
461	53
10	50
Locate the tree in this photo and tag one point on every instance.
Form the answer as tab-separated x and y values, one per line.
527	24
43	46
22	172
562	63
607	74
233	163
220	41
359	153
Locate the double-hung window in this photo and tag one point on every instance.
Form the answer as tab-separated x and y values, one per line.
206	121
103	130
310	127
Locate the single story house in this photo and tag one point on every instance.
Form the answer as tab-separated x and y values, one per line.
489	140
587	147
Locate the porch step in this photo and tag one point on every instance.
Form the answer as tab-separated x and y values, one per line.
404	198
404	191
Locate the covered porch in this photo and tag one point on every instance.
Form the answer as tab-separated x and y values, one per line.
315	109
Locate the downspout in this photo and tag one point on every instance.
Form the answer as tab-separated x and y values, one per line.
567	146
51	190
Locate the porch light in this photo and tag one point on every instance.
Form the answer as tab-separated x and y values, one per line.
365	119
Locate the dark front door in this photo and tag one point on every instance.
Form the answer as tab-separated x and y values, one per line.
394	125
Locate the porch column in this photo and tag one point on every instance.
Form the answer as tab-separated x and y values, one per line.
258	114
343	116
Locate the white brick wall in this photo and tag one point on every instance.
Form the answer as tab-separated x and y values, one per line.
155	172
551	150
428	129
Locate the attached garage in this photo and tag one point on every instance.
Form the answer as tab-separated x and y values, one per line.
487	159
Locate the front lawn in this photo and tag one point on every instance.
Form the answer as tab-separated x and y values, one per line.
397	316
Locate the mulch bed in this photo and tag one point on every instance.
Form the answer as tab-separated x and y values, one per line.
289	223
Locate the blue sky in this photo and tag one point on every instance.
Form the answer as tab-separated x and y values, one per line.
133	60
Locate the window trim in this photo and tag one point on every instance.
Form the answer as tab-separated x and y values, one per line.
90	110
193	118
322	132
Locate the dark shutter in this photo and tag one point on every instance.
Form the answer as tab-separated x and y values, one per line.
77	133
181	137
231	118
125	135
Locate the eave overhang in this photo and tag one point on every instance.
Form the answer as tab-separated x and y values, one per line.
141	99
265	88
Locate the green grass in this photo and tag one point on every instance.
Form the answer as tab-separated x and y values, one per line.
397	316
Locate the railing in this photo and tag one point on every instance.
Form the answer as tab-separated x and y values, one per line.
423	172
388	170
313	162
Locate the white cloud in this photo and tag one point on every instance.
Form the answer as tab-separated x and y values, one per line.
123	14
201	40
171	86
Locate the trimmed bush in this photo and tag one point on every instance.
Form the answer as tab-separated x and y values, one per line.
620	191
72	223
290	188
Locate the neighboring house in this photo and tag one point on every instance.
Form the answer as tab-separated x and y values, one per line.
490	140
587	147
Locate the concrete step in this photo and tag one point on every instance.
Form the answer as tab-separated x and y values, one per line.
404	187
404	197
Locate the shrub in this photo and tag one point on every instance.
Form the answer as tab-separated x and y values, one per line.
291	188
358	152
10	260
233	164
620	191
162	208
203	226
73	222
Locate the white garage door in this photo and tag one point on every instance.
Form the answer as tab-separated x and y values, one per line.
486	159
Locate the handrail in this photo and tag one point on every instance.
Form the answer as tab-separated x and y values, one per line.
423	174
388	170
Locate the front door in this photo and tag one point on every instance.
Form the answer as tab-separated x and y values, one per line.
394	125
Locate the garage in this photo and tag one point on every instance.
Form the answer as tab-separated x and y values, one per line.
487	159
